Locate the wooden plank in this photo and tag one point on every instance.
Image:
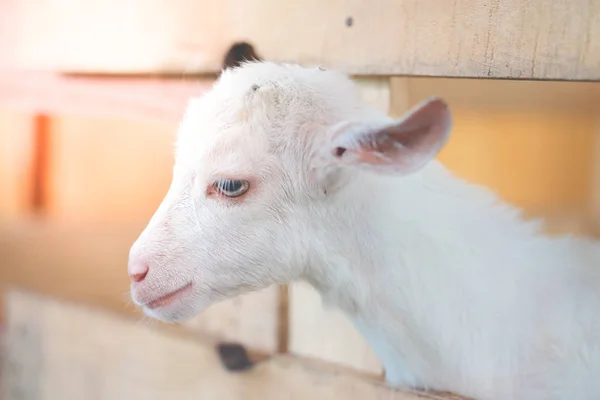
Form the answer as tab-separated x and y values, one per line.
377	91
87	263
146	99
326	334
153	99
16	151
594	205
156	37
251	319
63	351
139	99
401	95
472	38
501	95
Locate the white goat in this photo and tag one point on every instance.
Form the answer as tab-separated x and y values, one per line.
282	173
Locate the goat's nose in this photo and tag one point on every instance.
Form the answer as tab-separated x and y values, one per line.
137	270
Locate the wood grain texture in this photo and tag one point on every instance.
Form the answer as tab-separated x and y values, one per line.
62	351
87	263
522	39
499	95
47	92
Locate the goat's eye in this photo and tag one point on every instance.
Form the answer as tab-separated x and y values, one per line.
232	187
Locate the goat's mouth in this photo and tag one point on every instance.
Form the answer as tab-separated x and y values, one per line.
169	298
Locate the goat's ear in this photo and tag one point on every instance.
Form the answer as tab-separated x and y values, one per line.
400	147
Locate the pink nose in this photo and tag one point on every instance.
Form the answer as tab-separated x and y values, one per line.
137	271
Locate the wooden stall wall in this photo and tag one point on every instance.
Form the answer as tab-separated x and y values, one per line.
85	161
472	38
104	177
49	337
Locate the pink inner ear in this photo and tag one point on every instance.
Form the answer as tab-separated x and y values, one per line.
405	145
424	130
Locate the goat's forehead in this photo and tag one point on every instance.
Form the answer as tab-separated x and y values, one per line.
230	123
218	144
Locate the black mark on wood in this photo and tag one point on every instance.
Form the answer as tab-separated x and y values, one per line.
234	357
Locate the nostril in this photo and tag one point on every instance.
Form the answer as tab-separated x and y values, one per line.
138	271
138	277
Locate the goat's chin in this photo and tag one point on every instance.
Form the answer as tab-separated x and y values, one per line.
193	303
178	313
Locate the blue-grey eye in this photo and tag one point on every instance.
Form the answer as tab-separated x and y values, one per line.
232	187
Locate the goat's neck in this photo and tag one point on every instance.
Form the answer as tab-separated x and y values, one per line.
394	245
361	239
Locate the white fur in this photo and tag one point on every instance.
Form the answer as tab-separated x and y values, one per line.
452	289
